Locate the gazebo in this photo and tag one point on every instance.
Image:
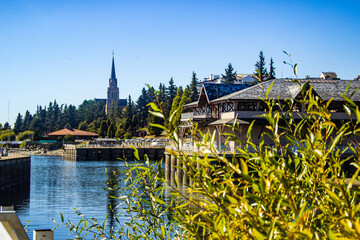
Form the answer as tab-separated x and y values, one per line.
78	134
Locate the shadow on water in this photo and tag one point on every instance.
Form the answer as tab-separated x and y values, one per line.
112	200
19	194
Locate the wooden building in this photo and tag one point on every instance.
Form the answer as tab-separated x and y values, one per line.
219	106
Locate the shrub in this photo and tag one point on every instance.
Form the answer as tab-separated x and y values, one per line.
23	144
69	138
25	135
292	189
7	135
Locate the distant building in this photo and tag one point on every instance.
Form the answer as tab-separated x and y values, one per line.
240	79
328	75
112	91
112	99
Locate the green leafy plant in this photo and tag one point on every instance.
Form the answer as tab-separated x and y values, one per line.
25	135
293	188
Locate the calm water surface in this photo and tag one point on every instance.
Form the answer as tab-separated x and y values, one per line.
59	186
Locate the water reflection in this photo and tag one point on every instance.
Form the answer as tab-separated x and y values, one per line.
19	194
112	200
59	186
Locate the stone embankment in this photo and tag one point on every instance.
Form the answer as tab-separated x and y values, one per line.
36	152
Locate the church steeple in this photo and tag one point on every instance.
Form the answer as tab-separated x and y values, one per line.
113	76
112	100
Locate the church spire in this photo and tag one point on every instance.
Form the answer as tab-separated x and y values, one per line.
113	76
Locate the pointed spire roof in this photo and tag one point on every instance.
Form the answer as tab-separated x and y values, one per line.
113	76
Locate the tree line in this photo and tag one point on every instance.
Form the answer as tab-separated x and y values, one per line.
122	122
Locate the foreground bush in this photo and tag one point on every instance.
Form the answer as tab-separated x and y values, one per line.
294	188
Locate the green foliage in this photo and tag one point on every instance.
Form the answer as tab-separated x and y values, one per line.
17	124
7	135
111	131
290	185
82	126
194	94
182	98
6	126
260	69
103	129
272	70
25	135
170	95
230	75
153	129
23	145
69	138
148	215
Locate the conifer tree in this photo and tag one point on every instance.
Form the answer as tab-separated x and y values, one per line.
170	95
176	100
155	130
230	75
129	115
103	129
171	90
260	69
26	122
18	123
111	130
82	126
142	109
194	94
184	99
272	70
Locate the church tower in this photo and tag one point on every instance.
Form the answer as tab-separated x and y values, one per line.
113	91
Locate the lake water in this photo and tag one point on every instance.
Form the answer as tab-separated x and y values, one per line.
59	186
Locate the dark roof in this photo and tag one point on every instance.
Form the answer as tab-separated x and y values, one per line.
214	91
287	88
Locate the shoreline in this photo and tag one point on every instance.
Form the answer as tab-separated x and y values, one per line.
58	152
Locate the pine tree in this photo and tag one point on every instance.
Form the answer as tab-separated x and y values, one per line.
230	75
260	69
272	70
111	131
129	117
82	126
155	130
184	99
6	126
142	109
18	123
194	94
170	95
26	122
103	129
176	101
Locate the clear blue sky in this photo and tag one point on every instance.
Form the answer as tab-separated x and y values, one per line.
62	49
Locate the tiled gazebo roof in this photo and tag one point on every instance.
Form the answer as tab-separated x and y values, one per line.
74	132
